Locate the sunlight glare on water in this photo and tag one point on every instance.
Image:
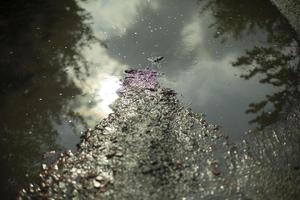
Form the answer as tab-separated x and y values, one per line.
107	93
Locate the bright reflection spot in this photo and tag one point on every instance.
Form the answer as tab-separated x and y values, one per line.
106	94
115	17
192	35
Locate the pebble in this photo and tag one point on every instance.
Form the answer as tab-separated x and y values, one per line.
96	184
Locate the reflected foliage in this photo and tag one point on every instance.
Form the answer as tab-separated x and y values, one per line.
278	69
38	36
276	63
237	18
39	39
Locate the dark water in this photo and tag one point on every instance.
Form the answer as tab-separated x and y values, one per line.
60	62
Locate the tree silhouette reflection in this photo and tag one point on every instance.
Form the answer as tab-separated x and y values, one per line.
274	63
278	69
39	39
237	18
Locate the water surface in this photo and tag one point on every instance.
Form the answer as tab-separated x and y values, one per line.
61	62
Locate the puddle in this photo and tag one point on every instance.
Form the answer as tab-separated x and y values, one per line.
61	62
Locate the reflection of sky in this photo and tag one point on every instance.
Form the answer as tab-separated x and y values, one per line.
98	84
45	110
196	65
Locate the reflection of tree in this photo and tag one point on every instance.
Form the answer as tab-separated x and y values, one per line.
234	18
277	69
38	35
39	38
277	62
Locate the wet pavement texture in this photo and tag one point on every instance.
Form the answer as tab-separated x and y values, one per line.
61	62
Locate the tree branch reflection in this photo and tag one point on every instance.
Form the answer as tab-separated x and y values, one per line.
274	63
39	40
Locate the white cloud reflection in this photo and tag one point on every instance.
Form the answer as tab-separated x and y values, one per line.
207	81
115	17
99	79
106	94
98	82
192	35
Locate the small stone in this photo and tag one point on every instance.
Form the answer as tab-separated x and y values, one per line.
44	166
96	184
119	154
69	153
61	185
99	178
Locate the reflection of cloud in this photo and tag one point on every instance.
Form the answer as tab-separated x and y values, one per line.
98	78
107	93
116	16
214	87
99	65
192	34
98	82
96	106
205	79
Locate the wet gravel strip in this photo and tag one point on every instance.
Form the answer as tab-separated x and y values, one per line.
153	147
